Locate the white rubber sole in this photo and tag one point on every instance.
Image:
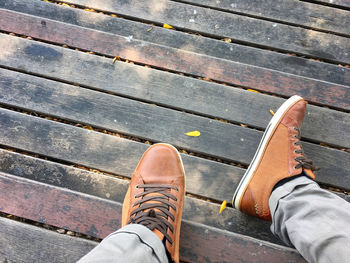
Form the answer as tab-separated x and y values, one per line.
275	120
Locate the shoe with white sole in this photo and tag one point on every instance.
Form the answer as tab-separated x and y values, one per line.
280	155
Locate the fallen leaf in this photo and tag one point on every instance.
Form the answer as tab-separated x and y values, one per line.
167	26
253	90
228	40
223	206
64	4
115	59
149	29
272	112
193	133
114	15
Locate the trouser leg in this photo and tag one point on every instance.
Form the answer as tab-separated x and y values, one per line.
313	220
132	243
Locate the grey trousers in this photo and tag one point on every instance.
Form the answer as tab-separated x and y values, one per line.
314	221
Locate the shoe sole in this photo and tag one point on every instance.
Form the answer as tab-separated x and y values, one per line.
275	121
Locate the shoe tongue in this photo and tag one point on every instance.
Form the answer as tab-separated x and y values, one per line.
155	179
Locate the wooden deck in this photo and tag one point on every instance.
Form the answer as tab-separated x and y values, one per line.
73	124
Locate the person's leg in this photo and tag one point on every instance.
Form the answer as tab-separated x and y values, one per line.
152	212
313	220
303	215
132	243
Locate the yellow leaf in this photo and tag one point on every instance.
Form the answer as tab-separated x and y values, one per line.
115	59
253	90
228	40
223	206
272	112
193	133
167	26
65	4
149	29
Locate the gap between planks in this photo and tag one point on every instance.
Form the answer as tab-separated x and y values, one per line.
261	18
202	34
181	73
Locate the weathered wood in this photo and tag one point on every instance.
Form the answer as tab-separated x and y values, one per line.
293	12
339	3
97	217
174	59
236	105
24	91
21	242
220	24
114	189
177	39
107	152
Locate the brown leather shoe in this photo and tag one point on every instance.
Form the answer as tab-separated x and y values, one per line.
156	194
279	155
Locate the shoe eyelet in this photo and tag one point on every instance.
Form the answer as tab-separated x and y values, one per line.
295	128
295	167
137	187
295	144
295	152
295	136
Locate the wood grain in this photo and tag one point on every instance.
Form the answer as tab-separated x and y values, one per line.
177	60
114	189
180	40
162	88
21	242
107	152
338	3
221	24
98	217
293	12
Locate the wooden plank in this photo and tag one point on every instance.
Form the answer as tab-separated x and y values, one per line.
158	87
114	189
338	3
292	12
20	90
180	40
21	242
220	24
97	217
107	152
174	59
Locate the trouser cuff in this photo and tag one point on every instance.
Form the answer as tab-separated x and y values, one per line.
286	189
147	237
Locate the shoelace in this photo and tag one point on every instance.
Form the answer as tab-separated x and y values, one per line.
302	160
155	214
